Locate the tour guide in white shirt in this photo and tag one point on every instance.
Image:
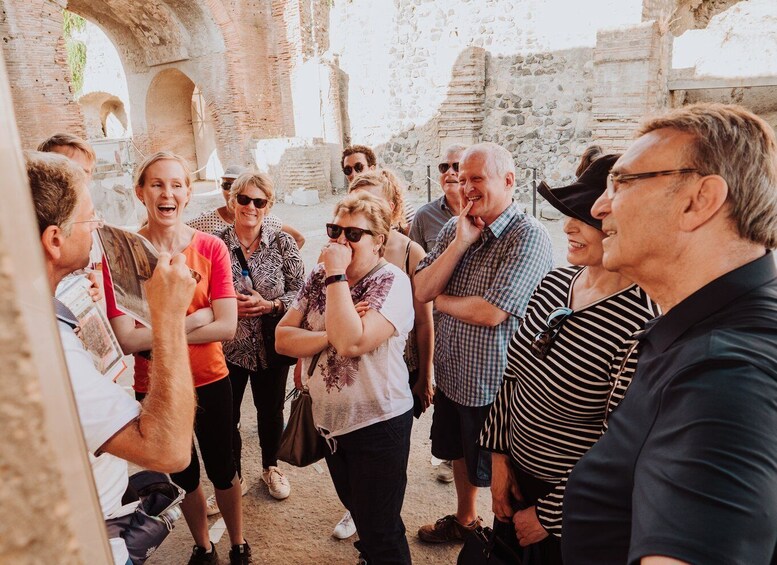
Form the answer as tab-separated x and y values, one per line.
157	436
481	273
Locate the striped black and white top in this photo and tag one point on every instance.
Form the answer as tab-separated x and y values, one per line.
550	411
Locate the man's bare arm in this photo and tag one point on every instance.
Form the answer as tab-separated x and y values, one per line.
161	437
474	310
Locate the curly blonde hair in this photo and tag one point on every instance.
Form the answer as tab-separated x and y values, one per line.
371	207
392	188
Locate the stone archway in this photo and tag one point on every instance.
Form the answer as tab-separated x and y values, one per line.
169	114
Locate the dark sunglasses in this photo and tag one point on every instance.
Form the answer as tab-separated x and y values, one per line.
540	346
358	167
351	234
443	167
244	200
226	185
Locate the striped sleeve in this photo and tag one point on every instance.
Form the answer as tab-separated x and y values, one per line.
550	507
495	435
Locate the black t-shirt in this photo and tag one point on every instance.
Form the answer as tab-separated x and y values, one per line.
688	468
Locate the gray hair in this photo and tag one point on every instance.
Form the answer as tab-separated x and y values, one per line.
734	143
498	157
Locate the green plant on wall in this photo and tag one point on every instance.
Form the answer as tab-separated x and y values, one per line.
76	50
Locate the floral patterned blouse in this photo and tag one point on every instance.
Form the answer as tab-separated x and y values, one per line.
350	393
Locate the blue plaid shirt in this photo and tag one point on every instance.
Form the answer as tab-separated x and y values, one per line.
504	267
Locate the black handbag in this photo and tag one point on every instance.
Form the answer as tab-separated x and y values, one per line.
483	546
273	358
301	443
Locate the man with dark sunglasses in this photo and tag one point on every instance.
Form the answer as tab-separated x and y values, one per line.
432	216
687	471
481	273
357	159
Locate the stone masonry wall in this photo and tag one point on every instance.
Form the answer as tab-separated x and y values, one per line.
404	62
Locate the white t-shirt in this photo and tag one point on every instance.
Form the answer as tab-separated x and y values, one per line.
104	408
353	393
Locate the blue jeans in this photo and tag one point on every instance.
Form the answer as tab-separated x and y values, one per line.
369	472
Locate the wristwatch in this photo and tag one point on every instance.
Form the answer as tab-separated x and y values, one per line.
335	278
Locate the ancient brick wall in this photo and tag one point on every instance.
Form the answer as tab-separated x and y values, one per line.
35	56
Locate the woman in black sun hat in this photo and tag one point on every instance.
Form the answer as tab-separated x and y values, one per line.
568	366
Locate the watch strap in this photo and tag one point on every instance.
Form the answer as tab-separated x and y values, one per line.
335	278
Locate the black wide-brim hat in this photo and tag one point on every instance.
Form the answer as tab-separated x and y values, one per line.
577	199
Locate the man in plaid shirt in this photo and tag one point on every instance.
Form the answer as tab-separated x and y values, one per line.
481	273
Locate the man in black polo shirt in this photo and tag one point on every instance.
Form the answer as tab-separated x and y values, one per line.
687	472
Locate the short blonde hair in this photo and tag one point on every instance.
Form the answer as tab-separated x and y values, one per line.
140	175
732	142
371	207
392	188
262	181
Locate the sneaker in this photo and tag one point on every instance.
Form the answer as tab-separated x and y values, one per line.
213	506
240	554
447	529
445	472
277	483
345	528
201	556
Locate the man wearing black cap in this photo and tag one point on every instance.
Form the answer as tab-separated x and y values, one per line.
687	471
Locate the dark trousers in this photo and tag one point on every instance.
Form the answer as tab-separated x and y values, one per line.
268	388
213	428
545	552
369	472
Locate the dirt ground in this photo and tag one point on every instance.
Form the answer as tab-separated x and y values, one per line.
298	529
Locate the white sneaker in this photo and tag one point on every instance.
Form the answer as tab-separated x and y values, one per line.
345	528
277	483
213	506
445	472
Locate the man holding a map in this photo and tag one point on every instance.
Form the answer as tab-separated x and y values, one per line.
157	436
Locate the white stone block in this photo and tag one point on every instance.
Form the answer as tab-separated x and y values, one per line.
302	197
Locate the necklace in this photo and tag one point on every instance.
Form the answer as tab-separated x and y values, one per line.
248	247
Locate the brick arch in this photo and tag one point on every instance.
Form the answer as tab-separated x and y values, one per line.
169	114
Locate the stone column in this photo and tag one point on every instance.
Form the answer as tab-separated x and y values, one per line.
630	81
48	502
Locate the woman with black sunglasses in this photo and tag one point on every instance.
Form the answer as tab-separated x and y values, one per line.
352	364
267	271
568	366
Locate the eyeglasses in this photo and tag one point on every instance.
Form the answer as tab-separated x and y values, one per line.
540	346
226	185
351	234
97	218
244	200
348	169
443	167
614	179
